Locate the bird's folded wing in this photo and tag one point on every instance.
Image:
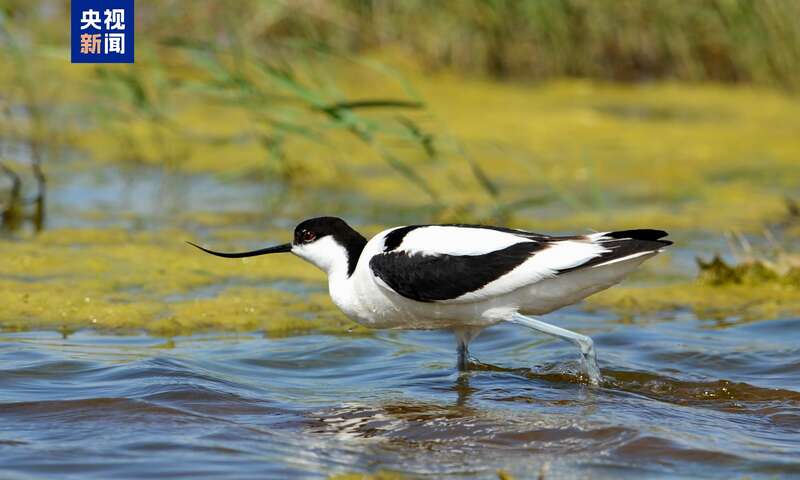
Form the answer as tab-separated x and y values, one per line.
461	264
455	264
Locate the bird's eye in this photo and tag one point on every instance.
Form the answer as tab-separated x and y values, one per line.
308	236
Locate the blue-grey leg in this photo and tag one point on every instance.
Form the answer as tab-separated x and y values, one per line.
464	335
582	341
463	355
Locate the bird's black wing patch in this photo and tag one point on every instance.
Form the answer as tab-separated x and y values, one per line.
623	244
640	234
430	278
395	237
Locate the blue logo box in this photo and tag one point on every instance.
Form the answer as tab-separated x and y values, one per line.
101	31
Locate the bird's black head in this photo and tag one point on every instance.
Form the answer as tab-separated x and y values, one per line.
327	242
317	240
313	229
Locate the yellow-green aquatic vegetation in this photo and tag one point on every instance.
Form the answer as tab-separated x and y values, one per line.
746	291
754	272
733	302
116	280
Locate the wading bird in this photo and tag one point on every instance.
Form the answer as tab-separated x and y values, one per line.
465	277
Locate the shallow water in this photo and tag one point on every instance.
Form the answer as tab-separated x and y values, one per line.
683	397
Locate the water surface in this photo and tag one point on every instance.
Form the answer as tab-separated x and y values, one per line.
680	398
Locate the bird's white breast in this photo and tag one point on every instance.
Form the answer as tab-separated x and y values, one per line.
362	299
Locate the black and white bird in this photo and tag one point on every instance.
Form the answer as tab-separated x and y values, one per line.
465	277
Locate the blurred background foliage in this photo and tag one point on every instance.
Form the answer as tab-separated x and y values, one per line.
626	40
299	83
239	118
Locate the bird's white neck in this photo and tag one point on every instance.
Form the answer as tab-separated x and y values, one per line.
334	259
326	254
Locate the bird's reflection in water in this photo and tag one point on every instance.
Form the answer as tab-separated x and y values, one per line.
542	414
413	421
462	389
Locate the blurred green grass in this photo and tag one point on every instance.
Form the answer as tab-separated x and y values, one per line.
549	115
323	94
630	40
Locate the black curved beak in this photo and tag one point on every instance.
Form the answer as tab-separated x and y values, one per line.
286	247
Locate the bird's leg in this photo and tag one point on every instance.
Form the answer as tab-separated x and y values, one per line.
464	335
463	355
582	341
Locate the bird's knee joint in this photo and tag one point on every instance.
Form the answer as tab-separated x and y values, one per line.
586	345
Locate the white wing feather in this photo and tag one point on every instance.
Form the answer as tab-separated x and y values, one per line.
452	240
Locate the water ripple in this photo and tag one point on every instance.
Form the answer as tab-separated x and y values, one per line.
687	401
